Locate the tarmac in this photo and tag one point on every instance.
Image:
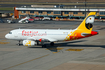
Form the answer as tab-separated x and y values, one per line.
82	54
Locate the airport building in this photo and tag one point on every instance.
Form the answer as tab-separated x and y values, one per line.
54	12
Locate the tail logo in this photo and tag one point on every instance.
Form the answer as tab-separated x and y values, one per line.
89	21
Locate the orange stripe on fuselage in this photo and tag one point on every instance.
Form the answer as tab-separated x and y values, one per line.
74	35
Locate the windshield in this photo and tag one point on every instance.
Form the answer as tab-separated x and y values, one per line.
10	32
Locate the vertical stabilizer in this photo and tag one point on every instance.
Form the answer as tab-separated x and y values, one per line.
87	24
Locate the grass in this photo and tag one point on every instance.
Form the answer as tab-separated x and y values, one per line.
30	3
48	3
39	3
6	8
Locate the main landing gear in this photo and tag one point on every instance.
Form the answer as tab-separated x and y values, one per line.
52	43
44	46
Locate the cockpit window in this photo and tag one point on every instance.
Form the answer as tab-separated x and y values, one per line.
10	32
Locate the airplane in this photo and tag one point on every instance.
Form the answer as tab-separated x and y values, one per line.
26	20
32	37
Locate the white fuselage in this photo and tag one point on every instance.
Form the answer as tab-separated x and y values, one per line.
36	34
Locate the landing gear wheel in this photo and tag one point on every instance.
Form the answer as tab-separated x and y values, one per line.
52	43
37	42
44	46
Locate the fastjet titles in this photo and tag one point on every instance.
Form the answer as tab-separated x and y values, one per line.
32	33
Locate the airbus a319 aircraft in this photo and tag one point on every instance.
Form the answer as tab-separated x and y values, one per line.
32	37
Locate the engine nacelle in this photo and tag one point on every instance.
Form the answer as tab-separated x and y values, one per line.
29	43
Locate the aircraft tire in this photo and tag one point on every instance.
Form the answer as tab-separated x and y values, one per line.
44	46
52	43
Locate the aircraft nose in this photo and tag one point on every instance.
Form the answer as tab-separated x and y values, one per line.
6	36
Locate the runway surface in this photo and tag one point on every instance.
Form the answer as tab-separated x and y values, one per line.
83	54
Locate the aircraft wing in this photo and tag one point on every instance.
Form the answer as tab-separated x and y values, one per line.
49	39
46	39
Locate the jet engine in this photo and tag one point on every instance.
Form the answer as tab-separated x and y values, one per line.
29	43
